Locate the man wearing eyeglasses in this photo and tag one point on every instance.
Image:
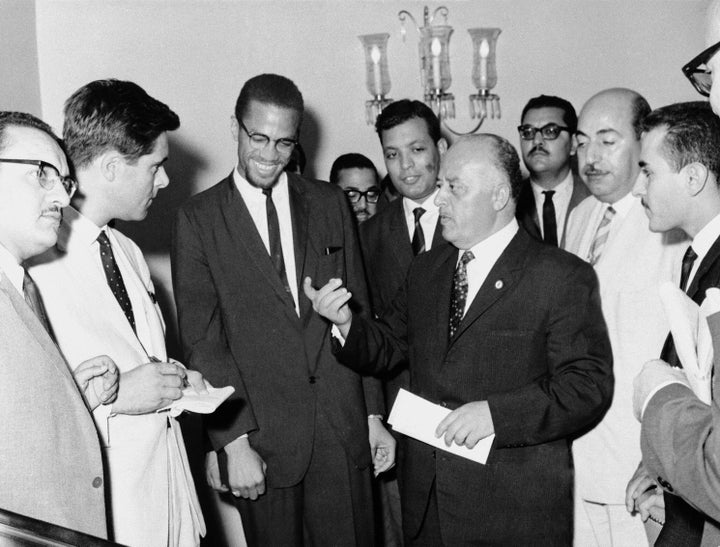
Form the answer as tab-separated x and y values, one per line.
547	147
51	465
293	443
610	230
358	178
100	299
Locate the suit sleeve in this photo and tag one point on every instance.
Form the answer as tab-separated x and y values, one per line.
202	332
356	282
680	441
578	386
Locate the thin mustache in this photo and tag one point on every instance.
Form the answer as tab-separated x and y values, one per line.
538	148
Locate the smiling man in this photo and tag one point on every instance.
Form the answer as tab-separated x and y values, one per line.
100	299
294	439
546	142
507	333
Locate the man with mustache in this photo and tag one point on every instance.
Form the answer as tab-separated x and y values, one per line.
357	176
610	230
547	146
505	332
100	299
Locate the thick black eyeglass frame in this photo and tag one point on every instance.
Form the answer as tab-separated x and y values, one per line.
69	184
524	129
691	69
358	194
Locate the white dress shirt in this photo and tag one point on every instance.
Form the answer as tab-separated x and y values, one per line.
12	270
428	221
561	202
486	255
255	201
702	242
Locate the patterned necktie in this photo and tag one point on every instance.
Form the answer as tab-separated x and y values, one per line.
601	236
459	292
276	254
32	297
687	264
114	278
418	240
549	222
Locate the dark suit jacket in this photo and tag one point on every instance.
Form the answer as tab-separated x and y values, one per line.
683	524
387	253
534	345
526	211
239	327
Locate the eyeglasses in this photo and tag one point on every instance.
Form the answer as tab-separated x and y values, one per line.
371	195
698	73
47	175
260	141
549	132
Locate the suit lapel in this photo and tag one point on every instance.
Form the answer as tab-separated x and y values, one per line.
33	324
437	239
243	232
502	277
300	213
699	284
440	283
399	237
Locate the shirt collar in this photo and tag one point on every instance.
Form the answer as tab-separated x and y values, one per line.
490	248
429	204
253	194
706	237
622	206
11	268
77	230
564	188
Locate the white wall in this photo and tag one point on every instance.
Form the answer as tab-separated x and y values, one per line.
19	83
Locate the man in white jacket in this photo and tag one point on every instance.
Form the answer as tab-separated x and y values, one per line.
100	299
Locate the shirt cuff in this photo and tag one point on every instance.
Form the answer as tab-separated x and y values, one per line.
336	333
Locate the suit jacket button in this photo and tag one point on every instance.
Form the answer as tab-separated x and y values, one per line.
97	482
311	379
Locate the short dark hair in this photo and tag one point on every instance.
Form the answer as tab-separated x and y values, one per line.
692	134
508	162
550	101
351	161
639	109
22	119
269	89
114	115
401	111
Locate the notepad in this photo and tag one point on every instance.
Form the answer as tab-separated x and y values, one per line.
418	418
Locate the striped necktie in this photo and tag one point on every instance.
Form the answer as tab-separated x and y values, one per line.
601	236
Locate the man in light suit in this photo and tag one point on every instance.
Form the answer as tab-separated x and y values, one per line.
51	466
412	145
293	442
679	188
100	298
506	332
610	230
547	145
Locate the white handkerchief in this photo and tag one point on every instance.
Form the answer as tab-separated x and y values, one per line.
691	335
417	418
200	403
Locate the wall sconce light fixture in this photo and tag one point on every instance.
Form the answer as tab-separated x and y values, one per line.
435	78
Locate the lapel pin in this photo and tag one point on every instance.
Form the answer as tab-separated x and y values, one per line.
499	284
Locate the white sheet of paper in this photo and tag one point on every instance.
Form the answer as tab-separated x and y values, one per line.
417	418
192	401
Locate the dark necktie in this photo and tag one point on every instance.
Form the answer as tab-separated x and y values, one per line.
418	240
687	263
276	254
32	297
459	292
549	222
114	278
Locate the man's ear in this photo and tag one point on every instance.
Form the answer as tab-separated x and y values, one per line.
234	128
695	177
442	146
501	196
573	145
110	163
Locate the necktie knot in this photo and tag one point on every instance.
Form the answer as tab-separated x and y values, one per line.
418	212
549	194
466	257
267	192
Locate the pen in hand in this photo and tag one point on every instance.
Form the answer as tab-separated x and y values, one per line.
154	359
